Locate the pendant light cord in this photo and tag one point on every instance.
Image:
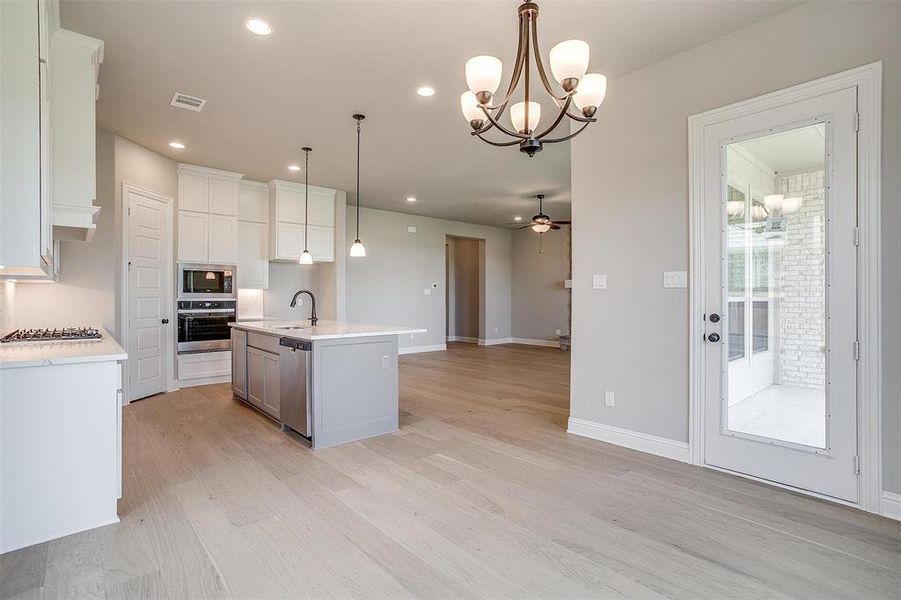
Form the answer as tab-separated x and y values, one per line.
306	198
358	178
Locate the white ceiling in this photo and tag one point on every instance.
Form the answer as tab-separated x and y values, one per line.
268	96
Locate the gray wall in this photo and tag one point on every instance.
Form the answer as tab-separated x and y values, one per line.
466	287
387	287
540	300
630	202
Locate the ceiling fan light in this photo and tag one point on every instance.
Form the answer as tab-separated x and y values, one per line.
773	201
518	117
791	205
306	258
541	227
591	92
471	111
357	249
735	208
569	61
483	76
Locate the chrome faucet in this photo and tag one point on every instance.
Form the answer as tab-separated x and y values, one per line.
313	317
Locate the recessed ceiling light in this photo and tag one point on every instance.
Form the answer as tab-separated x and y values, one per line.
177	145
411	199
293	168
426	91
517	218
258	26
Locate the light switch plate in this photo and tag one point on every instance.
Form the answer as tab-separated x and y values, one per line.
427	291
675	279
608	398
411	229
599	281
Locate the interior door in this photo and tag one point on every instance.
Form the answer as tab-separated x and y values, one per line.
149	293
780	277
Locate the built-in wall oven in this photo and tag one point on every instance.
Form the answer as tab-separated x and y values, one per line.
206	282
203	325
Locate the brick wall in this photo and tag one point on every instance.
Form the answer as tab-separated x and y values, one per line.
803	266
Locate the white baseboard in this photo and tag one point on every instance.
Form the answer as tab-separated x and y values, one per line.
635	440
529	342
464	339
418	349
494	342
891	505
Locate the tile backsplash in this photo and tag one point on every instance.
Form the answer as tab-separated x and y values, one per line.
7	305
250	304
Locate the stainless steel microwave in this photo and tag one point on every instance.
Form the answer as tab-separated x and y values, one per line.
200	280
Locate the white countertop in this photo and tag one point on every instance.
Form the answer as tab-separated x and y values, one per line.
16	355
324	330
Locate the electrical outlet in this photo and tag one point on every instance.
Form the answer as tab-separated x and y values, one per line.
427	291
384	361
557	331
300	302
608	398
599	281
495	330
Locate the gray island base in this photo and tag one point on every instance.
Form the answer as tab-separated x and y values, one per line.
332	384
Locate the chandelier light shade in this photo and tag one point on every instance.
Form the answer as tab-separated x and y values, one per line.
779	204
305	257
568	62
357	249
525	121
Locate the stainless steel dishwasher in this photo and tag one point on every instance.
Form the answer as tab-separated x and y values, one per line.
295	393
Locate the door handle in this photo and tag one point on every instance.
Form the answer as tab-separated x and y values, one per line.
165	321
713	337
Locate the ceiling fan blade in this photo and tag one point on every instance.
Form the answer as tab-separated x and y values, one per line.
554	226
563	222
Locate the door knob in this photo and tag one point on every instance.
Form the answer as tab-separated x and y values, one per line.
714	318
165	321
713	337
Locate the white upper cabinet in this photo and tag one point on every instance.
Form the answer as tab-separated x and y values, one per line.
286	226
253	235
26	242
193	192
75	66
193	236
208	215
253	202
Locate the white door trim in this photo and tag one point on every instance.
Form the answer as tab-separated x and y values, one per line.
868	80
123	280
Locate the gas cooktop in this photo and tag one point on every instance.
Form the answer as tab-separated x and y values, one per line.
65	334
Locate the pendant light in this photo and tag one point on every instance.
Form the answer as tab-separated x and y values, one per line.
306	258
357	249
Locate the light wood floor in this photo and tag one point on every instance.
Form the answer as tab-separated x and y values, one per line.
481	494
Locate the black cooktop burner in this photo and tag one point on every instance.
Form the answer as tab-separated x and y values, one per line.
64	334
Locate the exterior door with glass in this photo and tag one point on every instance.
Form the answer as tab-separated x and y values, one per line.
780	197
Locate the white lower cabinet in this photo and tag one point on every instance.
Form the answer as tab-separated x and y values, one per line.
253	255
203	366
263	381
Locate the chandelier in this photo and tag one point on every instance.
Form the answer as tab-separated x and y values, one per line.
569	62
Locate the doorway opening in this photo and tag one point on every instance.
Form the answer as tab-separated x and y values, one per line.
465	289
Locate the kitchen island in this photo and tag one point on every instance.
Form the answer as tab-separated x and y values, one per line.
332	383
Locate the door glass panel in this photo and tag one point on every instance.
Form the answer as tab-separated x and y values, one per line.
775	217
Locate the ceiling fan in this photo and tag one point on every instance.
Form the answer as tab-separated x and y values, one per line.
541	222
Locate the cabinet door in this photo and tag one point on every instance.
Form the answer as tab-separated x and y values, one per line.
239	362
289	241
271	400
193	192
223	196
193	236
256	376
223	239
322	243
322	208
289	204
253	204
253	255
